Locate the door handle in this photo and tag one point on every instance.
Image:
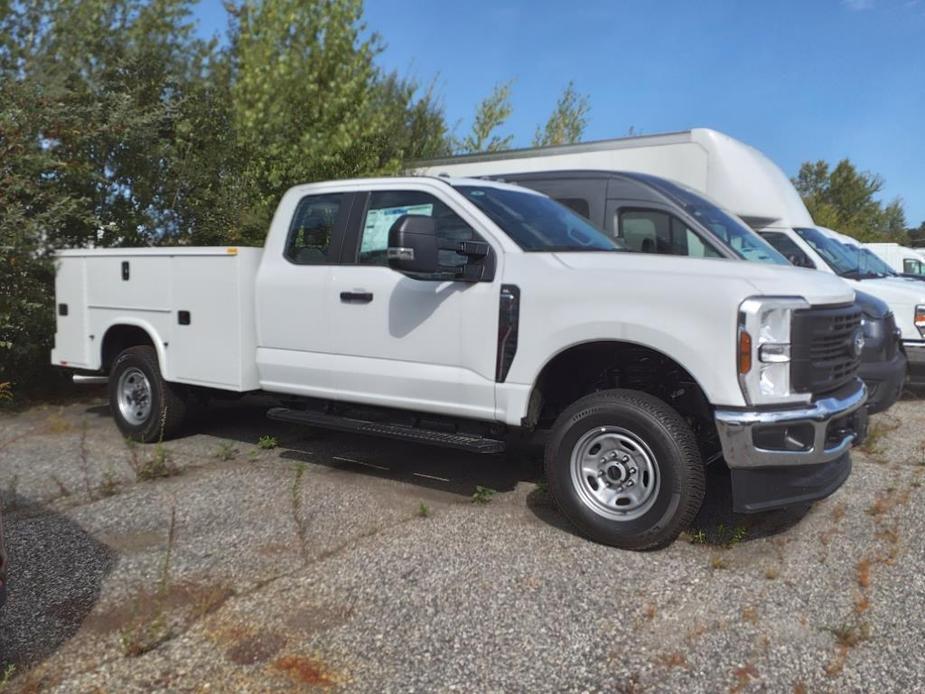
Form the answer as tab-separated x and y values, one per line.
356	297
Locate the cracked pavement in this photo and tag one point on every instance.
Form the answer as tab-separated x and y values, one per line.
339	562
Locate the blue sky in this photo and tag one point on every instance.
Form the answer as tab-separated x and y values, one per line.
817	79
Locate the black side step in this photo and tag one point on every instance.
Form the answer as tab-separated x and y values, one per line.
466	442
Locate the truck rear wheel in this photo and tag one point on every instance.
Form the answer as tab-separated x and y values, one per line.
145	406
625	469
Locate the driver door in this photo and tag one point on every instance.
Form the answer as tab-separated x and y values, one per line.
412	343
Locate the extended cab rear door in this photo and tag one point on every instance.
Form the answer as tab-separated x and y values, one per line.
294	328
410	343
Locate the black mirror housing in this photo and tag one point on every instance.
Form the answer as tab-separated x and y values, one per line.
413	245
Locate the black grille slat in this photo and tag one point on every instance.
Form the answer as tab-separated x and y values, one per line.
822	348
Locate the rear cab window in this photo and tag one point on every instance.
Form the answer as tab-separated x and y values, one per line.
313	233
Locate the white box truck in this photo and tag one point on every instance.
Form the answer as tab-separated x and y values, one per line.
903	261
459	312
738	178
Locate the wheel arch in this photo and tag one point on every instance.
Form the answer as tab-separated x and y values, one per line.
585	367
131	332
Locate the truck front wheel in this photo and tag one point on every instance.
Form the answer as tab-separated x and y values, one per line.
145	406
625	469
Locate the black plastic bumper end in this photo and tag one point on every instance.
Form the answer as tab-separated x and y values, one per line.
884	381
764	489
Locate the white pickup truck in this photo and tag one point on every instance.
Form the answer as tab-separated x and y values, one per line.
463	312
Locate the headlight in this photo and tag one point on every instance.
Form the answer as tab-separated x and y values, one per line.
764	349
920	319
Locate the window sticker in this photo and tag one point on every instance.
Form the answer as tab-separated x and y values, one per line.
378	223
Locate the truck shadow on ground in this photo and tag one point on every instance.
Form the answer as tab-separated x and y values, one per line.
715	523
454	472
460	473
56	572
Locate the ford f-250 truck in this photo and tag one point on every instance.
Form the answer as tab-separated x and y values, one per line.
460	312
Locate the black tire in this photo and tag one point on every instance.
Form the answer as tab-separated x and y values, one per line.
167	408
673	502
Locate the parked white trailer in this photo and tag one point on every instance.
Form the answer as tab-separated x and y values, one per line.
738	178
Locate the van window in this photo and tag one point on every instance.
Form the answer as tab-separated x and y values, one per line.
786	247
579	205
654	231
913	267
384	209
309	241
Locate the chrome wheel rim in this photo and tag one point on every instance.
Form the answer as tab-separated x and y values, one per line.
615	473
133	393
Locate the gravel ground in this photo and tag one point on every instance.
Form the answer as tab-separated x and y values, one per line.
345	563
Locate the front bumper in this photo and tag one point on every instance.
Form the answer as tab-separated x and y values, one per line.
884	381
915	354
781	457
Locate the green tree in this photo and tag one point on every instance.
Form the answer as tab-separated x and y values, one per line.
119	127
308	103
490	115
568	120
844	199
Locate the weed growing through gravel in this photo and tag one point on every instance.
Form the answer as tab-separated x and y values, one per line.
148	634
267	443
875	435
423	510
850	635
110	485
157	466
301	526
720	536
226	451
772	573
10	670
482	495
697	537
718	562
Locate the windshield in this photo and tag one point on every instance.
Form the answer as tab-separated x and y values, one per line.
734	234
843	260
868	264
537	223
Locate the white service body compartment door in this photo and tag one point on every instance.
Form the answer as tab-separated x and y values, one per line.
71	330
207	323
421	345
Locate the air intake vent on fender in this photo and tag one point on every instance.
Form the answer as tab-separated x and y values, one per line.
508	317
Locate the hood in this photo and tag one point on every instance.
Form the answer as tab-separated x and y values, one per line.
902	298
768	280
891	289
872	307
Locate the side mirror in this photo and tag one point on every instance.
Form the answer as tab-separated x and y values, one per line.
413	245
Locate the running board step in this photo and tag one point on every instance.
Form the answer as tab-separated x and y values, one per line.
466	442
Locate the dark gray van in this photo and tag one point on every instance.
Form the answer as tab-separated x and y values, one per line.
650	214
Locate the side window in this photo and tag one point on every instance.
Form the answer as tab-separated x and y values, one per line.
384	209
654	231
786	247
579	205
310	235
912	267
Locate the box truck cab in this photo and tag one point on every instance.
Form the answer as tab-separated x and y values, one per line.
738	178
903	261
